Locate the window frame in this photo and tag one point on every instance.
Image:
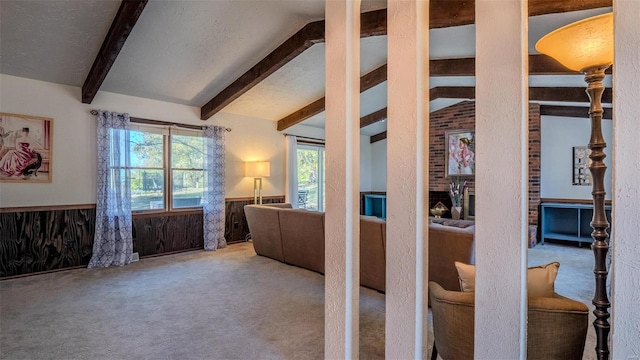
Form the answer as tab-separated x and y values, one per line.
167	170
321	149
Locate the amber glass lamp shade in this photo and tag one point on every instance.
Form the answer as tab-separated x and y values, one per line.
581	45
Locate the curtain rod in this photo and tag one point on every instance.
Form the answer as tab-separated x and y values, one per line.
304	137
159	122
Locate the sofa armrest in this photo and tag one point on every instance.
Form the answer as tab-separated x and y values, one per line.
264	226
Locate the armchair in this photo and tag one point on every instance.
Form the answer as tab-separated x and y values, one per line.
556	328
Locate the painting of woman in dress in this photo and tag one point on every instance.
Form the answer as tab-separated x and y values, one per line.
460	145
25	148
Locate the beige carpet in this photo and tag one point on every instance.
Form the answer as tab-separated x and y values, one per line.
229	304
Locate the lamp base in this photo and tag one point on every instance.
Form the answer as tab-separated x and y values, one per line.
257	190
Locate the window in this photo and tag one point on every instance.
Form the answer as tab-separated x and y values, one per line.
310	160
154	184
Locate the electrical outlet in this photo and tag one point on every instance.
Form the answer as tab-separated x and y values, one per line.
135	257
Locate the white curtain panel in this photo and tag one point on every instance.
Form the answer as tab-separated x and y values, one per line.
113	242
291	195
213	207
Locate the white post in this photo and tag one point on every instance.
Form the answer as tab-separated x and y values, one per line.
342	222
501	178
407	179
626	191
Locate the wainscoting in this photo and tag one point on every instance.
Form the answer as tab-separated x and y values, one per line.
37	239
236	228
44	239
156	234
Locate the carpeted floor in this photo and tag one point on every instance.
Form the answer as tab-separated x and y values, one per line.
229	304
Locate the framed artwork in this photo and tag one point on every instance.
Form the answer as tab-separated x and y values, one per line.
459	146
581	161
25	148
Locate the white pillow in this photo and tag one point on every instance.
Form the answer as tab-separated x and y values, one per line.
540	279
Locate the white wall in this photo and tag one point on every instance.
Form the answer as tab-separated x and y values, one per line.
558	136
74	140
366	175
379	166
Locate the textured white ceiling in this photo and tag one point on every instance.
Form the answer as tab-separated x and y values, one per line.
187	51
55	41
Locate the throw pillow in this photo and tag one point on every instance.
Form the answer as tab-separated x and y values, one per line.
540	279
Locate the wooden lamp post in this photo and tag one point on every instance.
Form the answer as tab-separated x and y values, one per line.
587	46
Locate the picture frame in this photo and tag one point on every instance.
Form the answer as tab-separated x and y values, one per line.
581	162
25	148
459	146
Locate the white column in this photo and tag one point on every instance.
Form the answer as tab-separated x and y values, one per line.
501	178
342	222
407	180
625	298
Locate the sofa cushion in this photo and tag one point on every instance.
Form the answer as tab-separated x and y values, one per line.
303	238
453	223
540	279
372	252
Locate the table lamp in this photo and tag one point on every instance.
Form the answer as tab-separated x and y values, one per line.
587	46
257	170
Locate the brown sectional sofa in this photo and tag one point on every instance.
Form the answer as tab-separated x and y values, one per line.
296	237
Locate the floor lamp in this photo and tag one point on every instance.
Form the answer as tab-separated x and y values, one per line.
587	46
257	170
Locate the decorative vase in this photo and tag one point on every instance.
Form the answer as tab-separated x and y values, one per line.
455	212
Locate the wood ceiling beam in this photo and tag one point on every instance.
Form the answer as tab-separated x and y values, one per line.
367	81
373	23
565	94
124	21
571	111
311	34
373	118
443	13
538	65
299	116
378	137
561	94
543	7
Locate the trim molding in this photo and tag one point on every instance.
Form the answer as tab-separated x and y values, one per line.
571	201
136	215
46	208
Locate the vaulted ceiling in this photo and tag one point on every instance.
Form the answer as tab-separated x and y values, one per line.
188	52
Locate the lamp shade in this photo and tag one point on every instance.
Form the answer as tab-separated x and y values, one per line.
257	169
582	44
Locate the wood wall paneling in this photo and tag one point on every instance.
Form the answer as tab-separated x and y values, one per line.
52	238
169	233
236	228
34	241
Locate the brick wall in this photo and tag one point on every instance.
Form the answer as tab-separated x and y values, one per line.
462	116
534	162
